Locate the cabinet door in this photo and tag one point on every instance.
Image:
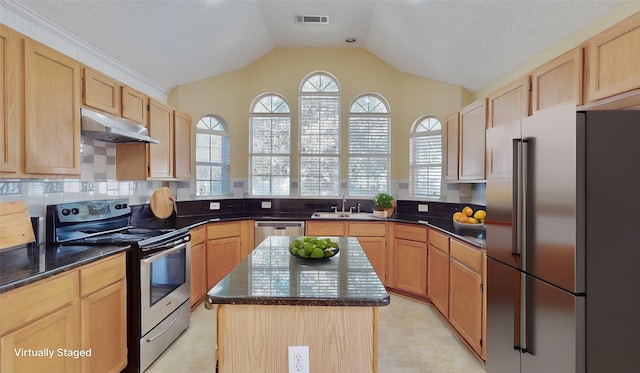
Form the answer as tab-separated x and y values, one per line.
161	127
558	81
52	111
325	228
473	119
183	146
410	267
104	328
134	105
465	303
438	279
198	272
10	100
612	60
453	133
510	103
102	92
374	247
58	330
222	256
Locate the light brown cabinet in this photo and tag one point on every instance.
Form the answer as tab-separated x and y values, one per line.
11	95
52	111
77	310
410	259
473	123
438	271
612	60
466	299
101	92
184	150
228	243
453	138
161	127
134	105
511	102
198	273
558	81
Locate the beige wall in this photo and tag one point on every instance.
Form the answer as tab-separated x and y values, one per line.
282	70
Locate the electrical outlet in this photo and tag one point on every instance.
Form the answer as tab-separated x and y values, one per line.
423	208
266	204
298	359
214	206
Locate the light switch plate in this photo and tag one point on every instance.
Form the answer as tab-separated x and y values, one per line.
266	204
423	208
214	206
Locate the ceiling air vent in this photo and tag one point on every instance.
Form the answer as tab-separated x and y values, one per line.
322	20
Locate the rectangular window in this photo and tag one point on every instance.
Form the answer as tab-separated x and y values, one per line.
368	154
426	165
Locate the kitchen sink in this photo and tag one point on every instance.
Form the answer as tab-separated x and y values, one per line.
344	215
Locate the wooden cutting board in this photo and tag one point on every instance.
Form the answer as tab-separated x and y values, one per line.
15	225
162	202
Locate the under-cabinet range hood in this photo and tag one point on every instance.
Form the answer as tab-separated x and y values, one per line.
109	128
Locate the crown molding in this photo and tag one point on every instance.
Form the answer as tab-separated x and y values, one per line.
49	27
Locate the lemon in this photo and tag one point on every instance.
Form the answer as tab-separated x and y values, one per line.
480	214
463	219
472	221
468	211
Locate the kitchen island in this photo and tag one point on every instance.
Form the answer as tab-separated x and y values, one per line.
273	300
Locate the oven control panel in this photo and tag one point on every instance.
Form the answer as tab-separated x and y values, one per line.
84	211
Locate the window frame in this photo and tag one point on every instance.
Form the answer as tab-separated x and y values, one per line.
415	133
225	156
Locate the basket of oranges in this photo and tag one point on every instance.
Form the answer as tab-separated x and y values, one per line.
467	218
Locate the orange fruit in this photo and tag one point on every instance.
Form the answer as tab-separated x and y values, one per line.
463	219
467	211
472	221
456	216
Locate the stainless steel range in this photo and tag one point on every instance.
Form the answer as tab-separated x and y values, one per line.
157	270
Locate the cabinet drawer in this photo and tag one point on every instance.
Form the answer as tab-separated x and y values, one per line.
466	255
222	230
325	228
105	272
367	229
198	235
33	301
410	232
439	240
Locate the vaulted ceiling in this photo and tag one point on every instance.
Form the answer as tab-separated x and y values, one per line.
467	43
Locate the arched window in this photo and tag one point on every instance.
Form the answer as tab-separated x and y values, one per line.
319	120
425	164
369	146
212	157
270	144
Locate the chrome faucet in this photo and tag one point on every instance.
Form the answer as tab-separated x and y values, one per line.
344	200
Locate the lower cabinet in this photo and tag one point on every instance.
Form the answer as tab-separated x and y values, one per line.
78	317
198	273
438	271
223	254
466	298
410	259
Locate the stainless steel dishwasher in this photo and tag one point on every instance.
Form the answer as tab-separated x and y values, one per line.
264	229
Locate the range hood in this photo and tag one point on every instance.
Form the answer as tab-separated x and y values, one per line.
109	128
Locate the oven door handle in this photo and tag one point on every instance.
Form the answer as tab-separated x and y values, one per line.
150	339
163	253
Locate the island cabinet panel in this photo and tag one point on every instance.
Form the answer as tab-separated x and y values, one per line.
452	142
255	338
466	298
473	124
11	94
438	271
612	60
558	81
102	92
52	111
512	102
223	255
134	105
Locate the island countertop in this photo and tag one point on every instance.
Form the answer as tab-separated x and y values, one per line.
270	275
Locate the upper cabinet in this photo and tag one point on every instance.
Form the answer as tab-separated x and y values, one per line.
473	124
558	81
52	111
612	64
510	103
184	157
134	105
102	92
11	74
453	130
161	127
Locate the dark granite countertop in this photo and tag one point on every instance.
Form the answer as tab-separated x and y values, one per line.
270	275
24	265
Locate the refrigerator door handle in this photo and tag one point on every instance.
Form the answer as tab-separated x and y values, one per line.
523	312
516	238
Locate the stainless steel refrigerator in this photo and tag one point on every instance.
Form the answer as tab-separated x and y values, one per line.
563	243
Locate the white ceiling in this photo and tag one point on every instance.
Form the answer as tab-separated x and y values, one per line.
468	43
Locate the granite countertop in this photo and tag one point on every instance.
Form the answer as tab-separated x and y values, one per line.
270	275
27	264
